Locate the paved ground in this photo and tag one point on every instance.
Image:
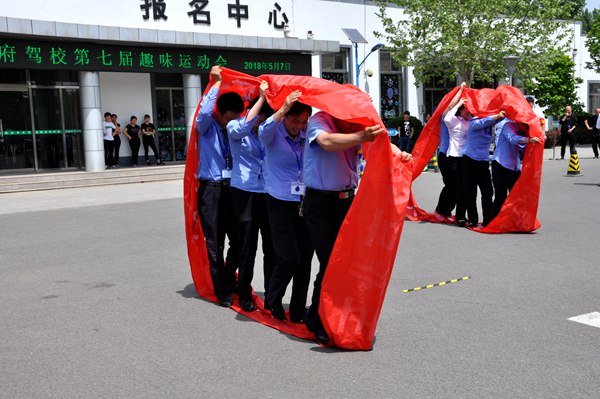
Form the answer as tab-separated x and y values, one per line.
96	301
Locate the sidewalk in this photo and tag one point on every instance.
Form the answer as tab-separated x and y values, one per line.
31	201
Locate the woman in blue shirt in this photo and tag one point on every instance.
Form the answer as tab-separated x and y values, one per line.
283	136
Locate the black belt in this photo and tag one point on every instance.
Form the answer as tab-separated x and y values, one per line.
214	183
344	194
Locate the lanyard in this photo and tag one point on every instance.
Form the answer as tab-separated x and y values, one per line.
261	148
300	157
225	148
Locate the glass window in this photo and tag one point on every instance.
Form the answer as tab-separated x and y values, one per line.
54	78
594	97
13	76
335	66
168	80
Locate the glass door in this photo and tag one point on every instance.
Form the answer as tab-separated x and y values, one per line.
48	129
171	124
16	136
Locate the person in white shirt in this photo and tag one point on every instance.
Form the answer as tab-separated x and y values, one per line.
108	129
457	122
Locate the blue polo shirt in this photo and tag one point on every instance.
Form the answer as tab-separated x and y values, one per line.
479	138
508	146
284	158
444	137
211	143
248	156
328	170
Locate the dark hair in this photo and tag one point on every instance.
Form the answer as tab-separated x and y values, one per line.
115	115
299	108
459	110
132	118
146	116
107	114
530	99
265	110
230	102
406	113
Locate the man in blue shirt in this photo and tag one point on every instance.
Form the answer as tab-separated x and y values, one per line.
249	198
476	167
283	136
506	164
215	207
330	174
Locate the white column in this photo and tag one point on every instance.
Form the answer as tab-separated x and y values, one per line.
192	91
91	113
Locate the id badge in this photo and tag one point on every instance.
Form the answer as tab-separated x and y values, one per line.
226	173
298	188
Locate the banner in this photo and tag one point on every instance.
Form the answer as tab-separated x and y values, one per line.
519	212
361	263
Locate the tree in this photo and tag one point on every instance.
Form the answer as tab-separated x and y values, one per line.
593	42
555	85
469	38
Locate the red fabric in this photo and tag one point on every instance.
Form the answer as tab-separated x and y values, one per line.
520	208
363	256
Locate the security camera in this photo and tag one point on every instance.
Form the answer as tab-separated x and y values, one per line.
369	72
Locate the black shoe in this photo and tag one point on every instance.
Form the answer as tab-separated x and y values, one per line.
299	319
226	301
278	312
461	223
161	163
247	305
148	163
322	337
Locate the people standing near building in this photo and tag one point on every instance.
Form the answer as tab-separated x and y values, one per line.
331	178
506	162
249	198
283	135
457	122
132	132
117	140
476	167
568	123
407	129
447	198
148	131
593	124
108	129
215	206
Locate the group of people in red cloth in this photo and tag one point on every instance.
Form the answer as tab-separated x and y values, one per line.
292	177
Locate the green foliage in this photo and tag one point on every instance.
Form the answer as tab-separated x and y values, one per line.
572	9
554	85
593	42
469	38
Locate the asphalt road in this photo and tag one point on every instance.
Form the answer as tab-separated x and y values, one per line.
96	301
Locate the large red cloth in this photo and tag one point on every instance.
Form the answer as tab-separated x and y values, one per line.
519	213
363	256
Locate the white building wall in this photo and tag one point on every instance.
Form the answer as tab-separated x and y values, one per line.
126	94
325	18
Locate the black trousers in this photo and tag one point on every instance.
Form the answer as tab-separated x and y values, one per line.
149	142
117	139
134	143
250	211
564	139
108	152
447	200
504	180
595	143
477	174
293	253
324	216
216	218
456	174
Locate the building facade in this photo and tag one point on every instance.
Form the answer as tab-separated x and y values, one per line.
64	63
